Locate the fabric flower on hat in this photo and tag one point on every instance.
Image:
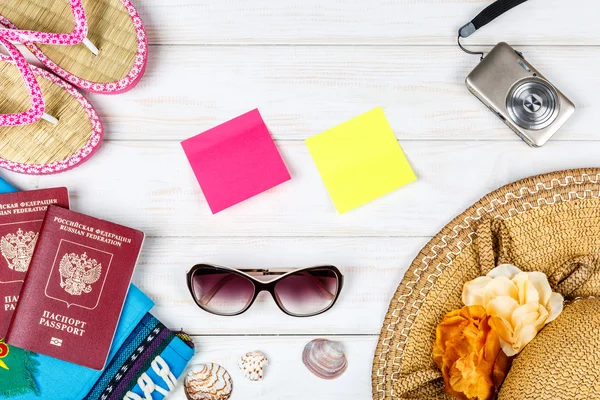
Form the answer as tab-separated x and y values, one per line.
467	351
519	304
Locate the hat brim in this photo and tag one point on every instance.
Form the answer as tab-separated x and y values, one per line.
550	218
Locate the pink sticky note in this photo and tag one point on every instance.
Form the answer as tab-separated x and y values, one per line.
235	161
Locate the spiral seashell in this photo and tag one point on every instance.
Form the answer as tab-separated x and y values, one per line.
252	365
325	358
208	381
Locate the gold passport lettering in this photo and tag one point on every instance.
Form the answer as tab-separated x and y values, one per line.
63	323
26	207
91	233
10	302
36	203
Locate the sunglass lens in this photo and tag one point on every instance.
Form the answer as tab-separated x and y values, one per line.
222	292
307	292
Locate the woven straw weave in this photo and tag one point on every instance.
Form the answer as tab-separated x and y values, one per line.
574	337
110	29
548	223
41	142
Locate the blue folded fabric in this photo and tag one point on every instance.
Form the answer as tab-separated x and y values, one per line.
5	187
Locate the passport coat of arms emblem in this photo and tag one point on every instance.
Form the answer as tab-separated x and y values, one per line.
17	249
78	273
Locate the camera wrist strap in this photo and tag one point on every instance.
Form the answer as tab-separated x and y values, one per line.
486	16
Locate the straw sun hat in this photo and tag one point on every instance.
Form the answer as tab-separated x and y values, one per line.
548	223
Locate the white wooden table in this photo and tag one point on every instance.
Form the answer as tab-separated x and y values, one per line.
309	65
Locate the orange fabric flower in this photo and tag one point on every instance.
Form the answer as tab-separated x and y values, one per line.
467	351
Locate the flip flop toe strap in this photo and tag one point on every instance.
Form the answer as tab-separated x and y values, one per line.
37	100
78	35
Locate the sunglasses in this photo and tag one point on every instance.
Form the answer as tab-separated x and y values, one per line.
298	292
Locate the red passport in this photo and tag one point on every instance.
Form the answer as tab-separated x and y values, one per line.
21	216
74	291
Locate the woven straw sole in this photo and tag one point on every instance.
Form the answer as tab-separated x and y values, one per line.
551	218
42	147
110	28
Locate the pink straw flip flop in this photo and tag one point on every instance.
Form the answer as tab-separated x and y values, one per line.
105	52
54	127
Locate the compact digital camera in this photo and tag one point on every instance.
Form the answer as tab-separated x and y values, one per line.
519	95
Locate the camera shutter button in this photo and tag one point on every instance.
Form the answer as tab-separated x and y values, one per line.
532	103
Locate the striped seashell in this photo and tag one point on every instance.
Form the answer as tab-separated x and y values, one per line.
325	358
252	365
208	381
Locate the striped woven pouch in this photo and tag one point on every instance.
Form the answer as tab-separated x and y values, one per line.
146	366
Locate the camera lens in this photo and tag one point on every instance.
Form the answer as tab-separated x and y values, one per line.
532	104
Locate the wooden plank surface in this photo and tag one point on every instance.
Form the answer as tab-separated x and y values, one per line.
150	186
308	66
358	22
302	91
286	377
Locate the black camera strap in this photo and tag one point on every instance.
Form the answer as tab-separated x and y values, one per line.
486	16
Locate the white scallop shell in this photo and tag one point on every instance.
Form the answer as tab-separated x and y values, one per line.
252	365
325	358
208	381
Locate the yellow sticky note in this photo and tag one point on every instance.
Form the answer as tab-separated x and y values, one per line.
360	160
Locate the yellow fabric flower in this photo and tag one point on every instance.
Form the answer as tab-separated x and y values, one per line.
519	304
467	351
